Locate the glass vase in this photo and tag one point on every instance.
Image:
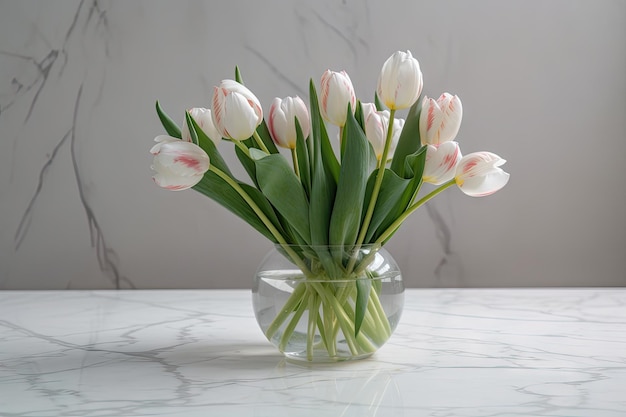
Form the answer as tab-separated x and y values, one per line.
328	303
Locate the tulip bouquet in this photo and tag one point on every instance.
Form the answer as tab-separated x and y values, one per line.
324	203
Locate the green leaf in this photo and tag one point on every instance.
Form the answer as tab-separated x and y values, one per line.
209	147
170	126
285	192
414	163
246	161
395	194
219	190
265	136
302	156
390	202
321	135
358	115
238	75
250	143
409	141
323	189
192	131
346	216
377	102
363	287
414	169
265	206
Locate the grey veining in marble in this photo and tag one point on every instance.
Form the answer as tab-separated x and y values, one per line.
461	353
542	84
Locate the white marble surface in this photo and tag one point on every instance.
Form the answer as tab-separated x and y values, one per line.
542	85
456	353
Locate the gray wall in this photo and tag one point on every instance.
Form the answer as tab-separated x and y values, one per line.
542	84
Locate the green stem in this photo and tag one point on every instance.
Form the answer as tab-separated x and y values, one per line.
297	296
396	224
346	324
259	142
314	310
329	324
294	158
284	339
331	304
267	222
242	147
379	180
379	313
375	324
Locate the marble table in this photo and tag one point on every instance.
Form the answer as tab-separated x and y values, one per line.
456	353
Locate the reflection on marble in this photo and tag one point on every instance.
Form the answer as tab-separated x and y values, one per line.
470	353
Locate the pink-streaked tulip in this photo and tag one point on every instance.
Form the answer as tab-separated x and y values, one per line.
204	119
376	126
336	93
400	81
281	121
440	119
441	162
478	174
236	111
178	164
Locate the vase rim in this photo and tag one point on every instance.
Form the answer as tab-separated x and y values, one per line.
295	275
345	247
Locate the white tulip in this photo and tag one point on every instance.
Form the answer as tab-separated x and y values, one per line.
478	174
236	111
400	81
204	119
441	162
335	95
178	164
376	126
281	121
440	119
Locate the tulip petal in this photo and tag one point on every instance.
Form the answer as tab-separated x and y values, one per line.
400	81
161	140
281	121
376	131
336	93
440	119
441	162
485	185
204	119
236	111
478	174
240	119
178	164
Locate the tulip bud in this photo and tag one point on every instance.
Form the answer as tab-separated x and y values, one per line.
178	164
376	125
203	118
281	122
236	111
441	162
440	120
400	82
478	174
337	92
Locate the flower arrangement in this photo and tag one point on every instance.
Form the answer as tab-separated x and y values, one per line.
324	205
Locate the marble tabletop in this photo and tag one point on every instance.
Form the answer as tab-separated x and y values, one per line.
456	353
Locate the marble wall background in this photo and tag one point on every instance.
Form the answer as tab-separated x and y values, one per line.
543	84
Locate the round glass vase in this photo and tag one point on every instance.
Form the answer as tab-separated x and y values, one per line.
326	303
